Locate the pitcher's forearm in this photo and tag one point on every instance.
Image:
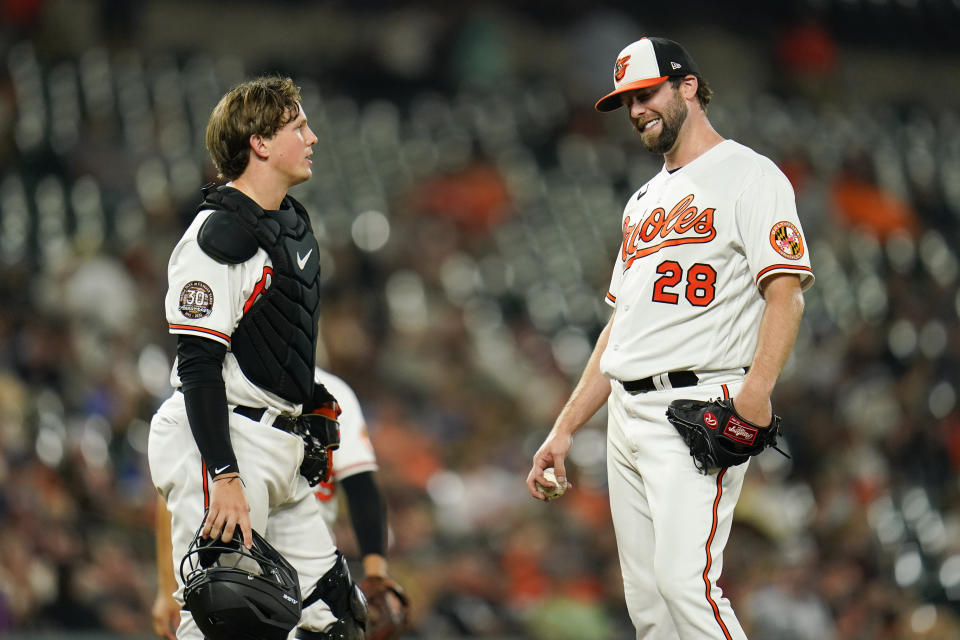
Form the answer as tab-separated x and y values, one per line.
777	333
591	391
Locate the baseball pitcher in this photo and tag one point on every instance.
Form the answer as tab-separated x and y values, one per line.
706	293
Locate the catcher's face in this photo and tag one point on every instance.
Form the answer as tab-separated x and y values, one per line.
657	113
291	148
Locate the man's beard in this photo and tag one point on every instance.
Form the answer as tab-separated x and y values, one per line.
670	122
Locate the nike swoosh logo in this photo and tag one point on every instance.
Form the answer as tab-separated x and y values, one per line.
302	262
642	193
220	470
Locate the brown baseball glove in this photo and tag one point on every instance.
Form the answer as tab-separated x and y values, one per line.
387	606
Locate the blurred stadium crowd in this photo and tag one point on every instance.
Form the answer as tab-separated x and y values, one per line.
467	201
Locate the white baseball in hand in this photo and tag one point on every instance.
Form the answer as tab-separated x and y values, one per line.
554	490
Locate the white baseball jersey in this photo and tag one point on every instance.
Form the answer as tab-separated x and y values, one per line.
696	244
208	298
355	454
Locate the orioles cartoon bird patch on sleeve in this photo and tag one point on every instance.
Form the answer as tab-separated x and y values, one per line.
786	240
196	300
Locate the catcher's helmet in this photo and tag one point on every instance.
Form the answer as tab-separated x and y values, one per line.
239	593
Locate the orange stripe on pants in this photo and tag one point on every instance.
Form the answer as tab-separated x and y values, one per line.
706	571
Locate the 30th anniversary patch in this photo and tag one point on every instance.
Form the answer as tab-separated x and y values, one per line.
196	300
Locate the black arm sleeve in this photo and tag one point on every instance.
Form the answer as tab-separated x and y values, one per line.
368	512
200	366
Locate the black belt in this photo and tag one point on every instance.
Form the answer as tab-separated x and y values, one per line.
677	379
282	422
316	430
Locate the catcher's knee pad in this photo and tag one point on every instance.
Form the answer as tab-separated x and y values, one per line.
338	590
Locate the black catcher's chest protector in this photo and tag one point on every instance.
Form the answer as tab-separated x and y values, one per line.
276	339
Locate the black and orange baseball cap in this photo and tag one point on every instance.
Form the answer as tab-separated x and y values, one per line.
646	63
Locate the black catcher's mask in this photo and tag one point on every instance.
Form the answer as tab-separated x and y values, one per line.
235	593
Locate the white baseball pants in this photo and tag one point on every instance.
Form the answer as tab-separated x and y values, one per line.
282	506
671	521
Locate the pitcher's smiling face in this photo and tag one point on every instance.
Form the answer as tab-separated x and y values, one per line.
657	114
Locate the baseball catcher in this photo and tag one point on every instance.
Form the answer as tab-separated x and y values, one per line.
387	608
717	435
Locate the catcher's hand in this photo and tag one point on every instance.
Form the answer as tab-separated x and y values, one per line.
387	608
717	435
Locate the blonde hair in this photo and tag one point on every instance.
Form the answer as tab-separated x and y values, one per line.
256	107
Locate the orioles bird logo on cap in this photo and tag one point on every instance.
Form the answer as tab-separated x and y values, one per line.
621	68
